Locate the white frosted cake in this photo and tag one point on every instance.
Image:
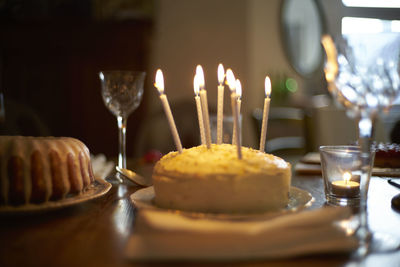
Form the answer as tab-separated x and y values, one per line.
215	180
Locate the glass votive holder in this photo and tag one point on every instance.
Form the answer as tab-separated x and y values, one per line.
341	169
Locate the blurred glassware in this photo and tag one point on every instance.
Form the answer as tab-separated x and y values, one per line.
362	71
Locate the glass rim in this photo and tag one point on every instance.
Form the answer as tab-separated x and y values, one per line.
123	71
339	148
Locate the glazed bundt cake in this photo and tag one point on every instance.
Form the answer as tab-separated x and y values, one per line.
38	169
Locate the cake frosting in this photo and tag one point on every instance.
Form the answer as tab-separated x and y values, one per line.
215	180
38	169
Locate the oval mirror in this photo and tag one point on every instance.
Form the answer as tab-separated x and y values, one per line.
302	28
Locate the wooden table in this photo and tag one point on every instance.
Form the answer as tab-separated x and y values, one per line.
94	233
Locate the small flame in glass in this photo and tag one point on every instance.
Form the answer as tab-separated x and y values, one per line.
347	177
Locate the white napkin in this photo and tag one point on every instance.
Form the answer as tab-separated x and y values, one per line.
161	236
101	167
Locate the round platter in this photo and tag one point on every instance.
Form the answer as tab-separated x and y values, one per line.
95	190
298	200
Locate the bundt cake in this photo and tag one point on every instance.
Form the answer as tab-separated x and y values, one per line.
38	169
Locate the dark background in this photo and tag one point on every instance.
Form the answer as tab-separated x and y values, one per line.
50	55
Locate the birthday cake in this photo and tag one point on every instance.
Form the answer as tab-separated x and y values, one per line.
215	180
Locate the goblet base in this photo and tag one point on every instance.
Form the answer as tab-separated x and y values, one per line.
378	242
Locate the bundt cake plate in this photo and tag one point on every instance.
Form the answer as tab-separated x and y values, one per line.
41	173
97	189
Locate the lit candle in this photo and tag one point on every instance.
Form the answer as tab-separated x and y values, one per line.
267	86
196	87
204	105
346	187
159	84
238	86
220	107
230	78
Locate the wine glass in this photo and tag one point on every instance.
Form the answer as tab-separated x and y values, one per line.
362	72
122	92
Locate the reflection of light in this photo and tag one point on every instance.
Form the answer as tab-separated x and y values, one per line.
122	220
372	100
349	94
365	126
121	190
348	226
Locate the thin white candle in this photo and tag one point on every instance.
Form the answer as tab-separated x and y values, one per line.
232	86
267	100
196	87
159	84
204	105
220	107
237	130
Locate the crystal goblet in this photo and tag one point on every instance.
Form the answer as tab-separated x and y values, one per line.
362	72
122	93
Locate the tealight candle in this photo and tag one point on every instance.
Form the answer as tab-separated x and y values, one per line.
346	187
159	84
232	86
220	106
267	85
196	87
204	105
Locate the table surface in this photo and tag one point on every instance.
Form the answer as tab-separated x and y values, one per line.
94	233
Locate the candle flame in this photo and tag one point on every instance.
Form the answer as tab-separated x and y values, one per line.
159	84
230	79
200	76
347	177
267	85
238	88
221	74
196	85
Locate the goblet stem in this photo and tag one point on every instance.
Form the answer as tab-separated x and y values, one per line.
365	127
122	122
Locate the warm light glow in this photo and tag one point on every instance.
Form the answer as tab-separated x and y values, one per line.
230	79
159	84
267	86
346	177
221	74
200	76
238	88
331	67
196	85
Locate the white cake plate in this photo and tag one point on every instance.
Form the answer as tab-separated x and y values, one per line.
298	199
97	189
